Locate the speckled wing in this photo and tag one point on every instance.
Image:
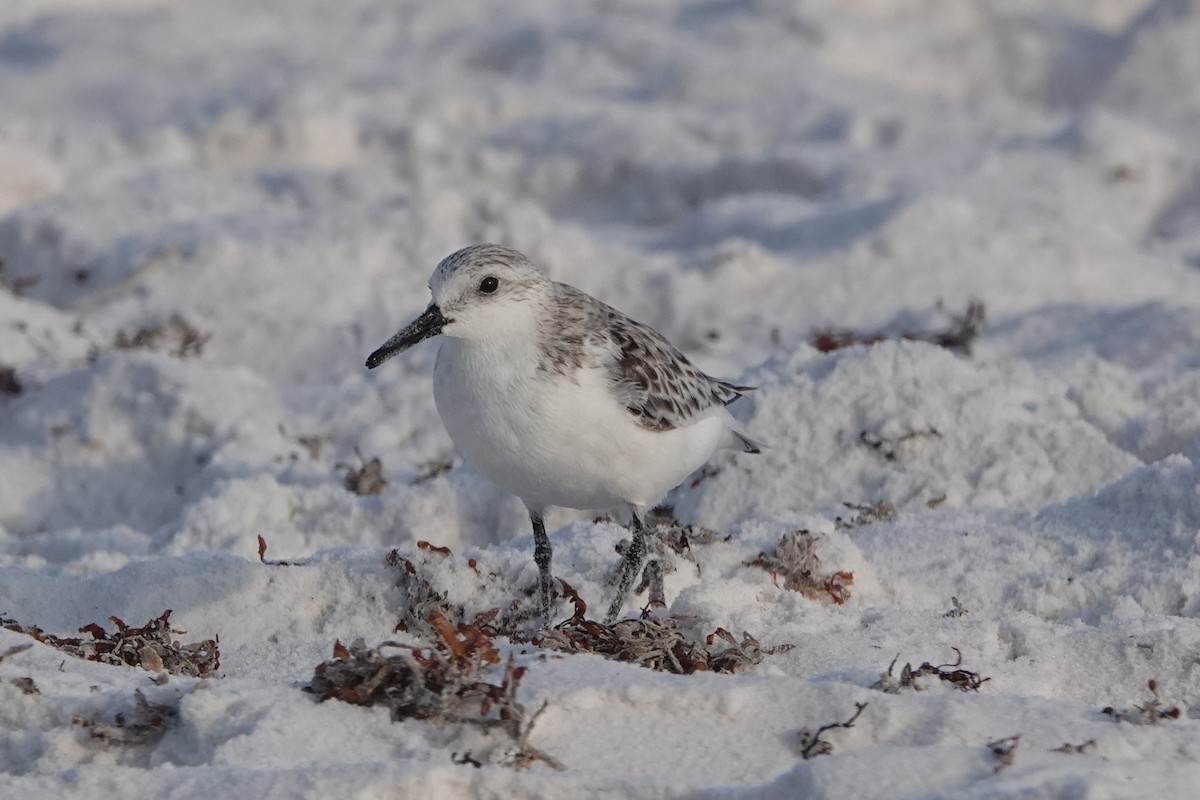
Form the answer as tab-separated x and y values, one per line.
654	381
657	383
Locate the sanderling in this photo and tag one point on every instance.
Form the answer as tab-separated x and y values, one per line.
563	400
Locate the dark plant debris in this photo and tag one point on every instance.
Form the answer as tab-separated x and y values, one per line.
795	559
10	386
962	679
524	755
433	469
262	556
887	448
737	655
313	444
24	283
706	472
176	335
12	651
866	515
958	610
150	647
1150	714
1005	751
366	479
442	682
144	724
438	682
1081	749
668	533
654	643
959	334
810	744
25	684
421	599
433	549
680	537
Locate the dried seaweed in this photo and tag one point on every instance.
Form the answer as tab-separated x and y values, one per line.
958	610
1005	751
25	684
525	755
433	549
9	385
962	331
144	724
432	469
420	598
795	559
654	643
738	655
313	444
176	335
24	283
679	538
1150	714
414	683
887	448
262	556
962	679
665	537
366	479
960	334
150	647
707	471
829	339
667	534
809	744
866	515
442	682
12	651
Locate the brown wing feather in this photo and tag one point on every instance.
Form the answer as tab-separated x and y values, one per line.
656	382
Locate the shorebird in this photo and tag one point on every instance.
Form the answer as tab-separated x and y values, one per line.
563	400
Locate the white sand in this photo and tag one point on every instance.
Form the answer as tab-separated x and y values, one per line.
283	175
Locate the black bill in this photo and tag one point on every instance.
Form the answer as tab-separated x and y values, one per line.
428	324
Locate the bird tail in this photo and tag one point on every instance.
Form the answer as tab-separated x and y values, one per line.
738	439
728	392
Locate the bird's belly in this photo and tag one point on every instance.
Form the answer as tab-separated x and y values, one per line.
562	442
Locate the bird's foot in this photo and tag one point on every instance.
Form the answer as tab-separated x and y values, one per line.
629	569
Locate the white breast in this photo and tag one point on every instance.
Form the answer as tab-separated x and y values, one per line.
555	440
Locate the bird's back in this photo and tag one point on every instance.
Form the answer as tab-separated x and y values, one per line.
648	375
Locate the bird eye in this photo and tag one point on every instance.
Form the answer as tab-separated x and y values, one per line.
489	285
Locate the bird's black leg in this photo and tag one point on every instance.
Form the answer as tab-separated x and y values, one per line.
629	566
541	555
